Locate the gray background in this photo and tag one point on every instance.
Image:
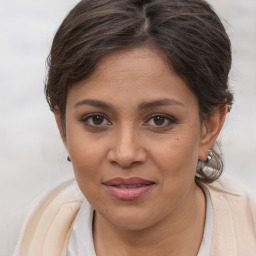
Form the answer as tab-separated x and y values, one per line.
31	154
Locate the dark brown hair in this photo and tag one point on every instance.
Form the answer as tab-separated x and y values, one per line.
187	32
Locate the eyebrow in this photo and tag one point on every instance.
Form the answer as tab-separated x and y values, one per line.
95	103
160	102
142	106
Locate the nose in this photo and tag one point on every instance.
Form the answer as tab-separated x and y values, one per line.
127	148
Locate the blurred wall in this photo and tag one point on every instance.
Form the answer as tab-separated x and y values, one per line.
31	154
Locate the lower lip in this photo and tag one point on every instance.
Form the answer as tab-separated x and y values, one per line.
128	193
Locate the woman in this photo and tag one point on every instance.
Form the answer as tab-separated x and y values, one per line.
139	90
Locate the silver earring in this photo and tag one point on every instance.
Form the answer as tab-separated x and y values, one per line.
210	155
68	159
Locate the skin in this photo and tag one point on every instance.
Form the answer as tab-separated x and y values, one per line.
130	139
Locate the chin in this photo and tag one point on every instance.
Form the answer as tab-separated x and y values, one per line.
131	219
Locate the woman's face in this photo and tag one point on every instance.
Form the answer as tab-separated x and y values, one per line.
134	136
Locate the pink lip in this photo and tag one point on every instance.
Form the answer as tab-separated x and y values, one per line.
128	188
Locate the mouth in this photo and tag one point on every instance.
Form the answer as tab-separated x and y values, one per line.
128	188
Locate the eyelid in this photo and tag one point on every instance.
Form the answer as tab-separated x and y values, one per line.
87	116
162	115
170	118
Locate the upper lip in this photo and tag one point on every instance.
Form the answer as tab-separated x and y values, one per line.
127	181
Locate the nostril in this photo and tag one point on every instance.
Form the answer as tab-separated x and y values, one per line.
114	163
126	165
126	153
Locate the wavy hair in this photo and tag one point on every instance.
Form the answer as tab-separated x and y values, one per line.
187	32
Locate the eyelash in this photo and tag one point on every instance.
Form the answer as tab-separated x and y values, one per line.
85	120
169	119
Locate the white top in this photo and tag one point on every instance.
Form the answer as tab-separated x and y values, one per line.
228	207
205	246
81	240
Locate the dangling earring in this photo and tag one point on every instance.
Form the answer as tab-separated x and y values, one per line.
210	155
68	159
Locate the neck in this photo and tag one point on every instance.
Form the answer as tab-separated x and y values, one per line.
179	234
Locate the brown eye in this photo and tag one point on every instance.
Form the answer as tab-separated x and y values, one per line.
159	120
97	120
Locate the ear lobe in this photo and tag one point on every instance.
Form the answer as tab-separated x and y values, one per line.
211	128
60	127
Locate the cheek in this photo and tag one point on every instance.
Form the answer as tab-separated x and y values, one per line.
83	149
86	159
86	164
86	155
177	154
176	162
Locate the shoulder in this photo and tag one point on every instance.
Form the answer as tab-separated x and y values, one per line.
229	193
50	215
234	213
227	185
228	189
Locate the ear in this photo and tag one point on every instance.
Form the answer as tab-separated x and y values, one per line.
60	127
211	128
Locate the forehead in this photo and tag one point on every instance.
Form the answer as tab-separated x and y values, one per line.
127	63
139	74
